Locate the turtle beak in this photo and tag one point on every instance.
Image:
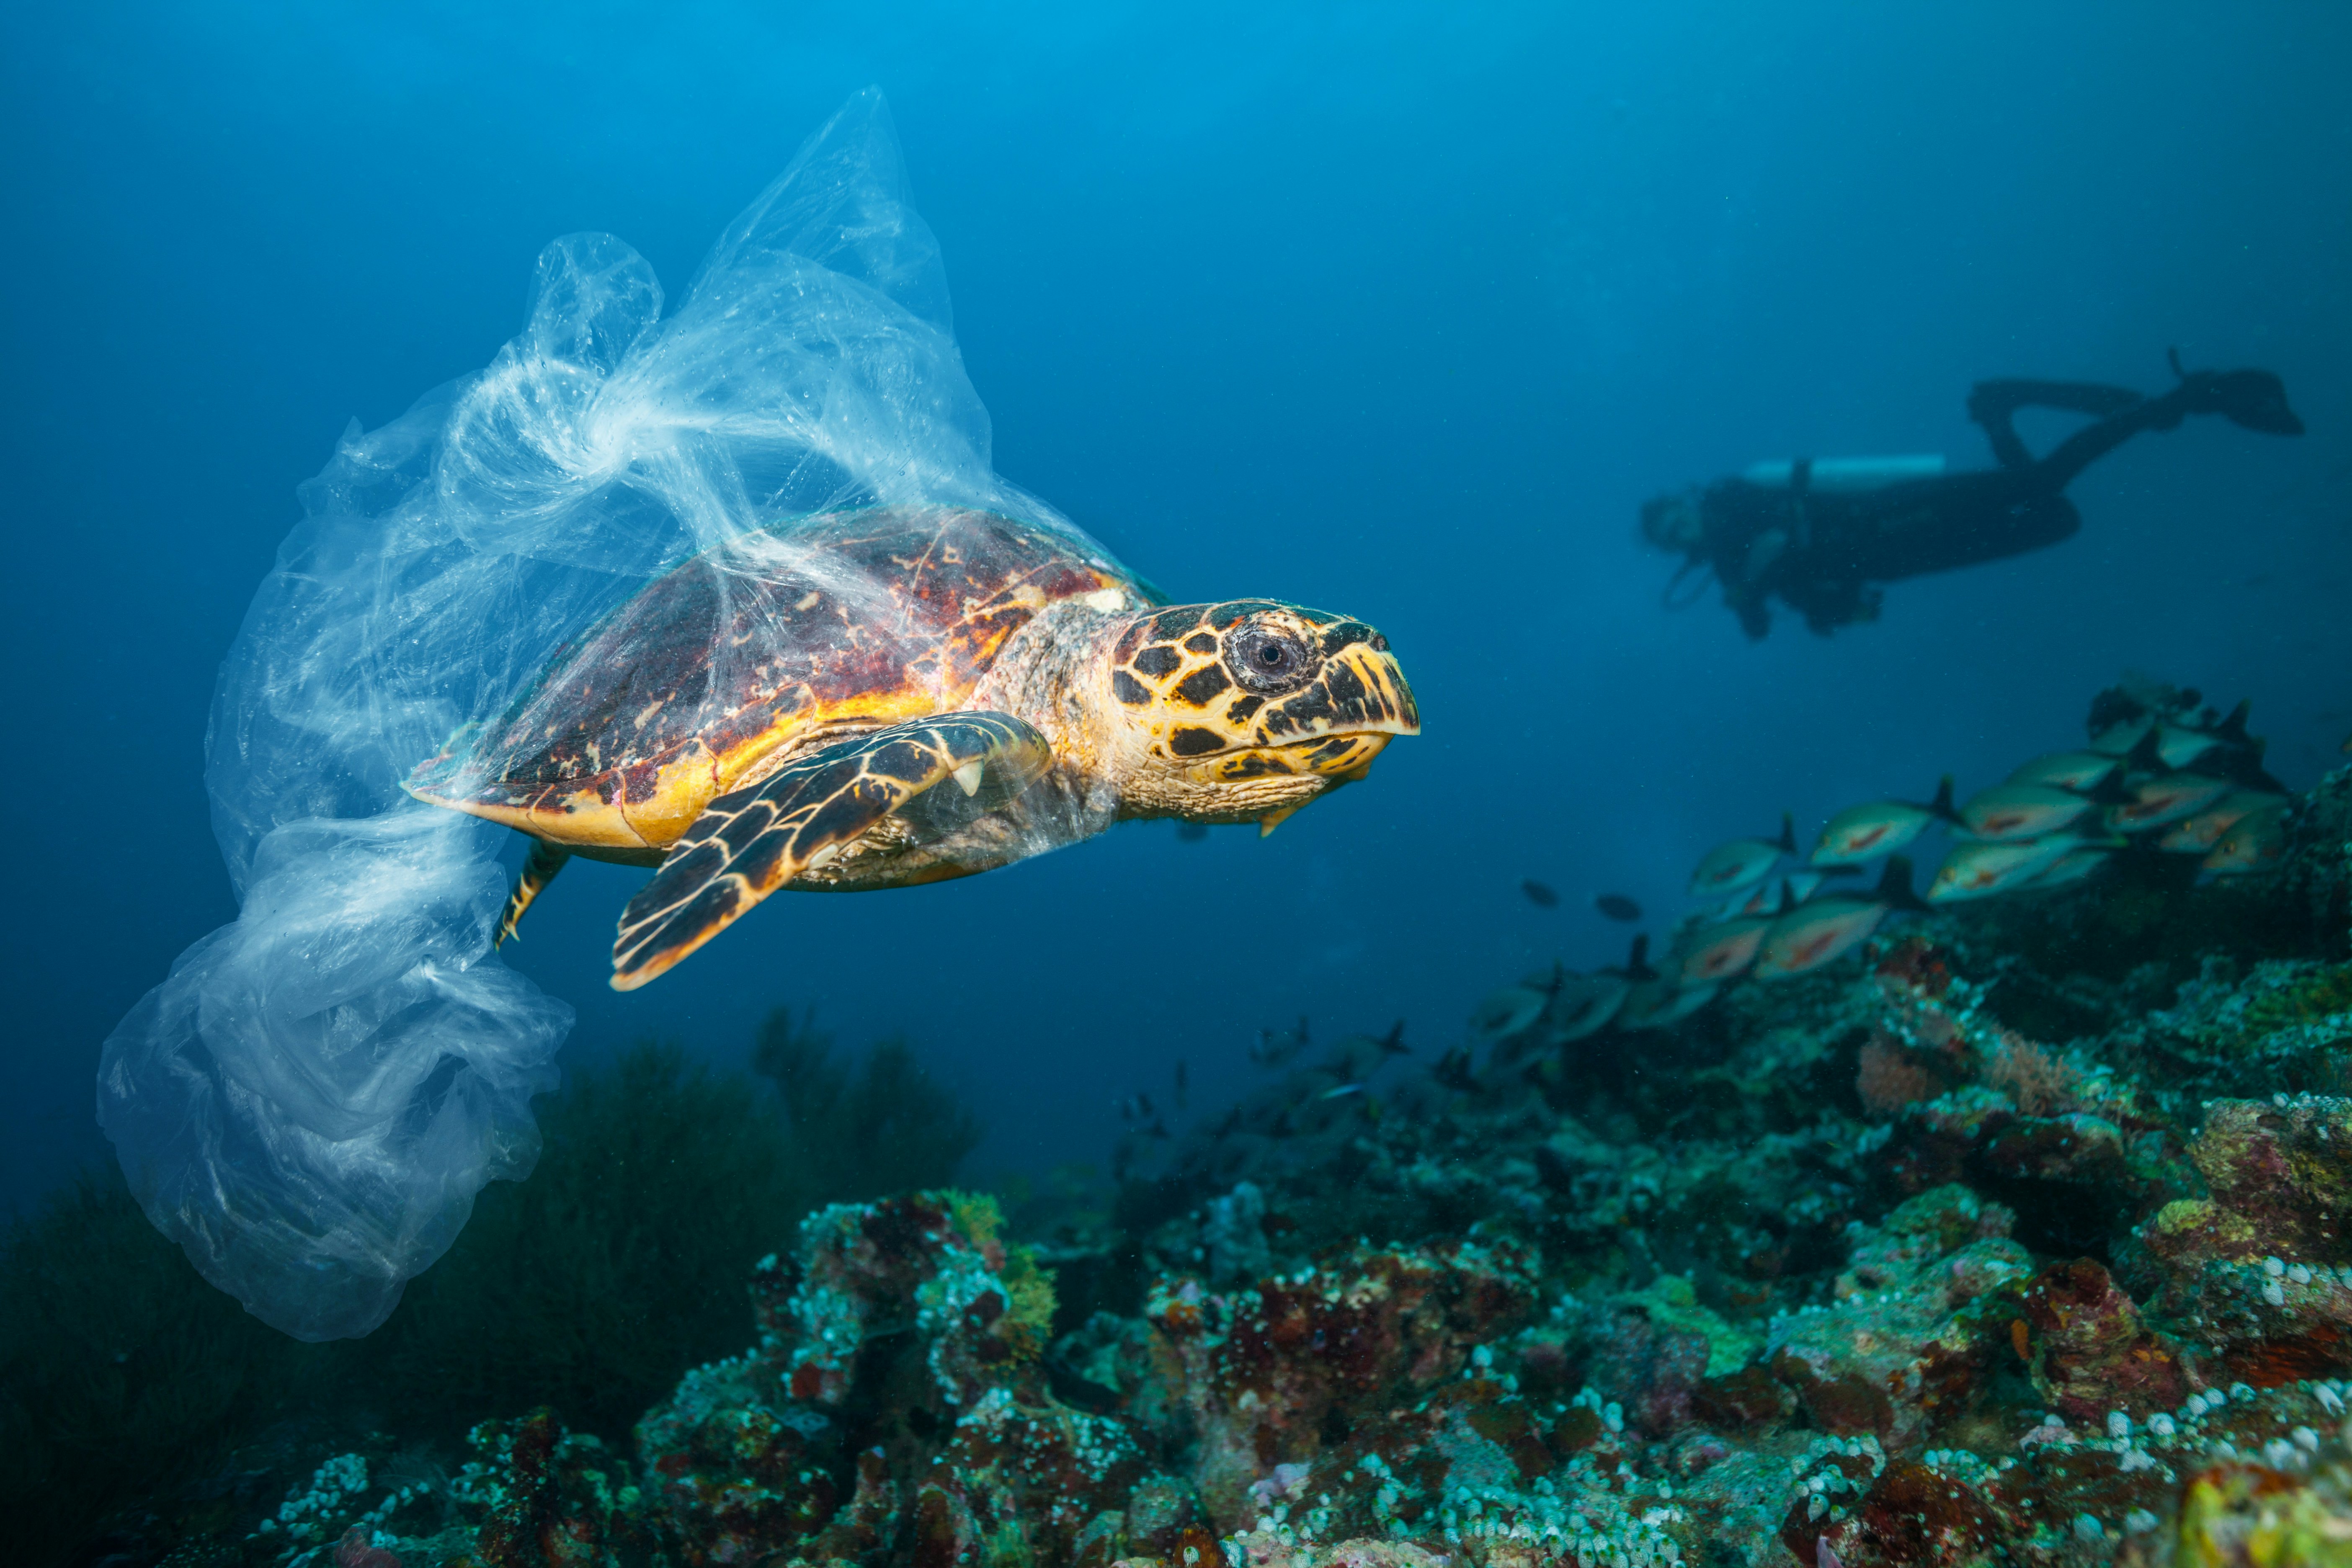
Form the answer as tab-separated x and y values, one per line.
1368	692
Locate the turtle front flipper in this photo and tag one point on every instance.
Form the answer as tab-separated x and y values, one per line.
749	843
546	860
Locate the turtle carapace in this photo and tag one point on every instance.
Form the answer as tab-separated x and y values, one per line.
886	697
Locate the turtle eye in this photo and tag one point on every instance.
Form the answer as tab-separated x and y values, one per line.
1268	661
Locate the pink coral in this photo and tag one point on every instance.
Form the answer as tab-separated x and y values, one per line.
2037	1081
1889	1080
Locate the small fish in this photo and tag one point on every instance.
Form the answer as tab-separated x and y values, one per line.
1360	1056
2165	799
1657	1003
1721	951
1798	885
1184	1082
1192	832
1637	961
1453	1070
2118	738
1979	870
2068	770
2197	834
2255	842
1776	895
1743	862
1585	1005
1542	897
1825	930
1341	1092
2071	867
1866	832
1508	1012
1618	906
1135	1108
1275	1046
2178	744
2020	811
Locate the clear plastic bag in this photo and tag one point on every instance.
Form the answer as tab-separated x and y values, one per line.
311	1101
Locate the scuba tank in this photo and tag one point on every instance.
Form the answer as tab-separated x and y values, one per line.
1826	475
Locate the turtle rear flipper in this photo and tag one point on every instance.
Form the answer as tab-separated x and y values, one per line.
546	860
750	842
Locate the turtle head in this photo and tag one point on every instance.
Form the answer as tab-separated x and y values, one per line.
1245	711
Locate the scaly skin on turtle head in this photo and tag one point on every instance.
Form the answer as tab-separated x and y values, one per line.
1243	712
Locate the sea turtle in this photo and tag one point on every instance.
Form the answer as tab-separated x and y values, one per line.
889	696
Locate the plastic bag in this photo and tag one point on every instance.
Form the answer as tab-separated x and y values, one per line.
311	1101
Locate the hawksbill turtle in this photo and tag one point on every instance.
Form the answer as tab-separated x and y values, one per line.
890	695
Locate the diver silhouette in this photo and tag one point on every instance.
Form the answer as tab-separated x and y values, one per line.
1822	534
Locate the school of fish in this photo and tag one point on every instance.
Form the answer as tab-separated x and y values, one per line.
2161	776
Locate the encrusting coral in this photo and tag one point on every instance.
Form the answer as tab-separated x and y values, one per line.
1964	1249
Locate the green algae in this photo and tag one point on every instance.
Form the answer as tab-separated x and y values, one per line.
1671	1302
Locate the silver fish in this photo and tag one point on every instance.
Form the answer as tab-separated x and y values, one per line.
1779	893
2198	834
1655	1003
2068	770
2165	799
1508	1012
2020	811
2118	738
2255	842
1586	1004
1719	952
1979	870
1742	863
2071	867
1272	1048
1866	832
2178	744
1828	928
1816	934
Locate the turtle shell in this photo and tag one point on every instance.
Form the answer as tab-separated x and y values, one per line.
712	673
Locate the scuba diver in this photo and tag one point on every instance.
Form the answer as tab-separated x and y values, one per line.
1822	534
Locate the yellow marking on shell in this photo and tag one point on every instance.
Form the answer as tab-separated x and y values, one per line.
683	787
808	601
1109	600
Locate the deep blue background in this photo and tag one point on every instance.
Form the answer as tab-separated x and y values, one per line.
1395	310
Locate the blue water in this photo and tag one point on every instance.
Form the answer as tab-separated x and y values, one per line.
1399	310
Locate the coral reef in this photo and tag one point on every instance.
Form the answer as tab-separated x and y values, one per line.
141	1410
1976	1245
